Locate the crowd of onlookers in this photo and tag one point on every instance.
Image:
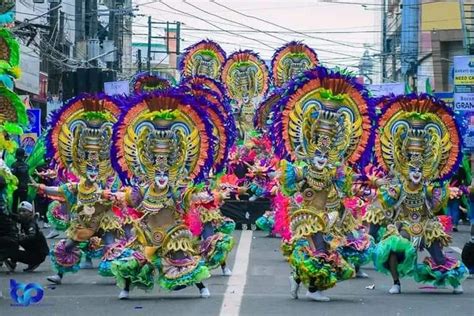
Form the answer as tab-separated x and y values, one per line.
21	239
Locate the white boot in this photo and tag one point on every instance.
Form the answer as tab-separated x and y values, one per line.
361	274
226	271
123	295
458	289
56	279
317	296
204	292
395	289
294	287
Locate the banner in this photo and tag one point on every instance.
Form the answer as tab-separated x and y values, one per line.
383	89
464	99
34	121
117	88
464	83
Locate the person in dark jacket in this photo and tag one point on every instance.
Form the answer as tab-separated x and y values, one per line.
20	169
31	239
8	228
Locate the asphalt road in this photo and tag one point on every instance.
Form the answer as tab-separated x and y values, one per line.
258	287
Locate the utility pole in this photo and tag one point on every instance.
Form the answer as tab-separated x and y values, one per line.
148	54
172	41
139	60
384	39
55	35
409	41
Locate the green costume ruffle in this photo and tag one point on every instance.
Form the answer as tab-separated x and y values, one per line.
221	248
405	251
321	271
198	274
140	275
452	274
265	223
227	227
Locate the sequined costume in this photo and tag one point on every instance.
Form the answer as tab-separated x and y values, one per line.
215	230
79	140
325	126
418	145
164	143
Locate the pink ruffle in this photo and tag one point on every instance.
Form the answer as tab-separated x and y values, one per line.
449	264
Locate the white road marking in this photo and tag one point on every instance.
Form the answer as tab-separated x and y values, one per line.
457	249
236	284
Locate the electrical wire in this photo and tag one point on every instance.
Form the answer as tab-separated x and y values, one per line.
216	26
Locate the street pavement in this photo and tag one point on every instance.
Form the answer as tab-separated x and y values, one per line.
259	286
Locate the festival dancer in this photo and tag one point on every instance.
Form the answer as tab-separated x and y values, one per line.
418	146
246	78
214	229
80	140
321	127
164	143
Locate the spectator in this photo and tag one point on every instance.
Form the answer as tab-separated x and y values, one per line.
31	239
8	228
20	170
42	201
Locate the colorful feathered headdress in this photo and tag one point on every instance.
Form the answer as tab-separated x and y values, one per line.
169	127
147	82
245	76
324	111
291	60
81	134
418	131
220	114
7	13
204	58
13	118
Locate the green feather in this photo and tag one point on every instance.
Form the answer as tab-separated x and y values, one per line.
12	43
429	89
36	158
17	104
12	128
95	115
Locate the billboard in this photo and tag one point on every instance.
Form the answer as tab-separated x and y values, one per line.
464	83
464	99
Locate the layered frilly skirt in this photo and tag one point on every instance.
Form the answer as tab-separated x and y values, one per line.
215	249
318	269
357	245
176	263
452	272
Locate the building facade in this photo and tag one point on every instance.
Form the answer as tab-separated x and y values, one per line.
440	38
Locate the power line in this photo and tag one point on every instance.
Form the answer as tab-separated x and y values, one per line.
277	25
218	27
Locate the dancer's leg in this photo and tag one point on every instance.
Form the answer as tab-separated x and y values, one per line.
203	290
393	264
436	253
126	290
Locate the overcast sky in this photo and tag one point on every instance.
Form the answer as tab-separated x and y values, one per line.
337	30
